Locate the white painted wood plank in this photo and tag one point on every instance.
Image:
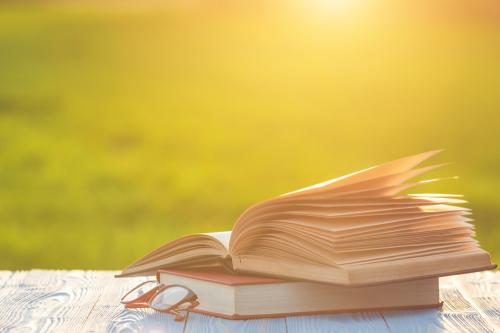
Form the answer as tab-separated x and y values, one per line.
9	291
144	320
355	322
11	280
435	321
483	291
88	301
5	276
71	302
108	315
49	301
198	323
456	315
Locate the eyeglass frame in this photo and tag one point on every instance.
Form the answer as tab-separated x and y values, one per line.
145	300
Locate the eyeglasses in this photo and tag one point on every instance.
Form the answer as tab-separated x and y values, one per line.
161	297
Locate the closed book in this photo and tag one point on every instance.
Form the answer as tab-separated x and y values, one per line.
232	296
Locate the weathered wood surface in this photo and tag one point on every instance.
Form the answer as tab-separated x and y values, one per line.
88	301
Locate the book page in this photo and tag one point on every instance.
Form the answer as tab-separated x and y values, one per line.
359	219
221	236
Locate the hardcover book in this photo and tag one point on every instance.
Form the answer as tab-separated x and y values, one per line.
358	229
245	297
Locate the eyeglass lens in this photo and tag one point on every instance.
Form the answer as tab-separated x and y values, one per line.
139	291
169	297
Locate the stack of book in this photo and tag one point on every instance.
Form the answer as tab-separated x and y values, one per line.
349	244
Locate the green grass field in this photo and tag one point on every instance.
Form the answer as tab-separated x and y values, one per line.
123	128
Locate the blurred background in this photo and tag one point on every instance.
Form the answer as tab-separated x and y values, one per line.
124	125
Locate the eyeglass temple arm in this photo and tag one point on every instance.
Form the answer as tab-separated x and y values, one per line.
143	300
179	316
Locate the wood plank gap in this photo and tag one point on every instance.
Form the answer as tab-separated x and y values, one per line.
91	309
185	322
385	321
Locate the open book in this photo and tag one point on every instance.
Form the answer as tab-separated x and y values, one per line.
354	230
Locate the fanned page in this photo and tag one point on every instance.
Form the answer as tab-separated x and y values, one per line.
353	230
359	229
200	251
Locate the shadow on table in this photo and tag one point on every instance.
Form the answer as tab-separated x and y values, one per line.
429	320
144	320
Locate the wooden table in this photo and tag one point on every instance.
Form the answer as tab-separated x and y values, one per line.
88	301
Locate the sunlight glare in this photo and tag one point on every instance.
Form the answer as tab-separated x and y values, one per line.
332	7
